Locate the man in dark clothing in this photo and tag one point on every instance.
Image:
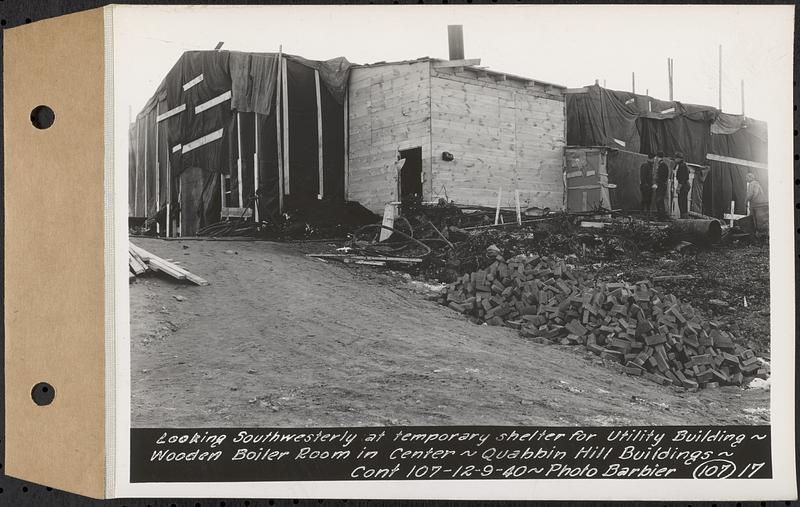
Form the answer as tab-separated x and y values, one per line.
646	182
660	184
682	175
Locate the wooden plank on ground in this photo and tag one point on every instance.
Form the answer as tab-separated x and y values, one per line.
159	264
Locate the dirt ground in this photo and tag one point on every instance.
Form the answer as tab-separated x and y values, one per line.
280	339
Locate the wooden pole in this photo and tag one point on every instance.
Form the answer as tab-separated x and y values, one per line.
278	129
720	77
285	101
346	144
669	76
742	97
497	213
136	176
169	197
158	179
321	193
255	166
239	160
633	82
180	210
519	212
145	167
222	191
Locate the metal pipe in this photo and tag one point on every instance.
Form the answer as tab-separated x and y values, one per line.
703	232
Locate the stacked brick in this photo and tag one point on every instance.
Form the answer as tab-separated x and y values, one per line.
648	333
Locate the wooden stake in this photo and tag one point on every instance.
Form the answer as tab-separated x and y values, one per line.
319	135
633	82
519	213
285	101
278	128
497	213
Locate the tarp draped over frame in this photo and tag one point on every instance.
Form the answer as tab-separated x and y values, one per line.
199	101
640	124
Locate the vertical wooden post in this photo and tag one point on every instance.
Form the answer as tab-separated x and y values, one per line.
497	213
222	203
720	77
633	82
347	143
670	68
145	167
519	212
136	176
319	136
742	97
733	211
285	101
180	210
239	158
255	167
158	179
169	195
279	143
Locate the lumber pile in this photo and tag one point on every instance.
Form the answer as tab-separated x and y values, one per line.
141	261
639	328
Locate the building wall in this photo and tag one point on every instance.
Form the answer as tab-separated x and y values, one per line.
389	110
505	134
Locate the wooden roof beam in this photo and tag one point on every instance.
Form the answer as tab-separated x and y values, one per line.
457	63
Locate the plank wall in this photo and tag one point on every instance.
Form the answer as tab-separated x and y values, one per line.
502	133
389	110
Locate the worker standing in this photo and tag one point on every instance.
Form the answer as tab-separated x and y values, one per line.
756	199
646	181
682	175
660	183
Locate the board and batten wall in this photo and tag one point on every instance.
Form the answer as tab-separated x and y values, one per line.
389	110
502	133
505	134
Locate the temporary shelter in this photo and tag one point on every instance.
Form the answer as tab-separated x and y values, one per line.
617	128
466	133
226	129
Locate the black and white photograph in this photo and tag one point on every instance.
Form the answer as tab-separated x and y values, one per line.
525	216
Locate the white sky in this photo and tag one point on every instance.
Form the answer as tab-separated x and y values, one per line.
568	45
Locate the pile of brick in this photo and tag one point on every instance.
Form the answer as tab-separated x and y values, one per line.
648	333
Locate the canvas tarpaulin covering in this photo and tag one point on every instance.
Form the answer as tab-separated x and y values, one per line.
200	101
637	123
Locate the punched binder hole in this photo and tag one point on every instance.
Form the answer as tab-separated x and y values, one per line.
43	394
42	117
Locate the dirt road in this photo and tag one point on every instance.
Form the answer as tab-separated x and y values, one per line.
279	339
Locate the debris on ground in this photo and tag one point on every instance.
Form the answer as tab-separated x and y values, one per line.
322	219
140	261
646	331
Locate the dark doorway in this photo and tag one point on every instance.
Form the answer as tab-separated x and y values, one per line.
411	175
